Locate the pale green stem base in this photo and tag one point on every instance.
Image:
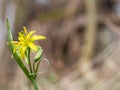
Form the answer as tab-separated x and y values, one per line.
35	85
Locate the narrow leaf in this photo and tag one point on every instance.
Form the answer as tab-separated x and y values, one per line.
9	31
38	54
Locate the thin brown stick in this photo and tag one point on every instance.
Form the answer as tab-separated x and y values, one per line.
88	47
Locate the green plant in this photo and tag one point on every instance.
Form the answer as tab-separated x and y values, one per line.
21	50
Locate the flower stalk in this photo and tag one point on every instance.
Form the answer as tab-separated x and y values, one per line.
29	62
35	84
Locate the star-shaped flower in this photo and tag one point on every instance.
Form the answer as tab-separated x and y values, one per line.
25	40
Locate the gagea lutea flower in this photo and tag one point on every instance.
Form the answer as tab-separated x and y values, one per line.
25	40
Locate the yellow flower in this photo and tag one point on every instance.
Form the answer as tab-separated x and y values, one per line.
25	40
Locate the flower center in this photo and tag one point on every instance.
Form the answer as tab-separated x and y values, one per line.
27	41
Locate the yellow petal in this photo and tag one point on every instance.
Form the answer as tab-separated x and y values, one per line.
20	34
33	46
30	34
22	52
21	37
38	38
25	29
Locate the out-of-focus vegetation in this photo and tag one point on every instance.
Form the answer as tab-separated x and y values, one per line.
82	43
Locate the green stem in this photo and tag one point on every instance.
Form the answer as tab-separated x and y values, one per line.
30	66
36	71
35	84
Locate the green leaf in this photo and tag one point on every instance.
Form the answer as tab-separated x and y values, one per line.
9	31
38	54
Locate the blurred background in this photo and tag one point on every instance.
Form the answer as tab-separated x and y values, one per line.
82	46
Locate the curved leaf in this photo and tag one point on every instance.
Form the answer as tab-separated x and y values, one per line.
38	54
